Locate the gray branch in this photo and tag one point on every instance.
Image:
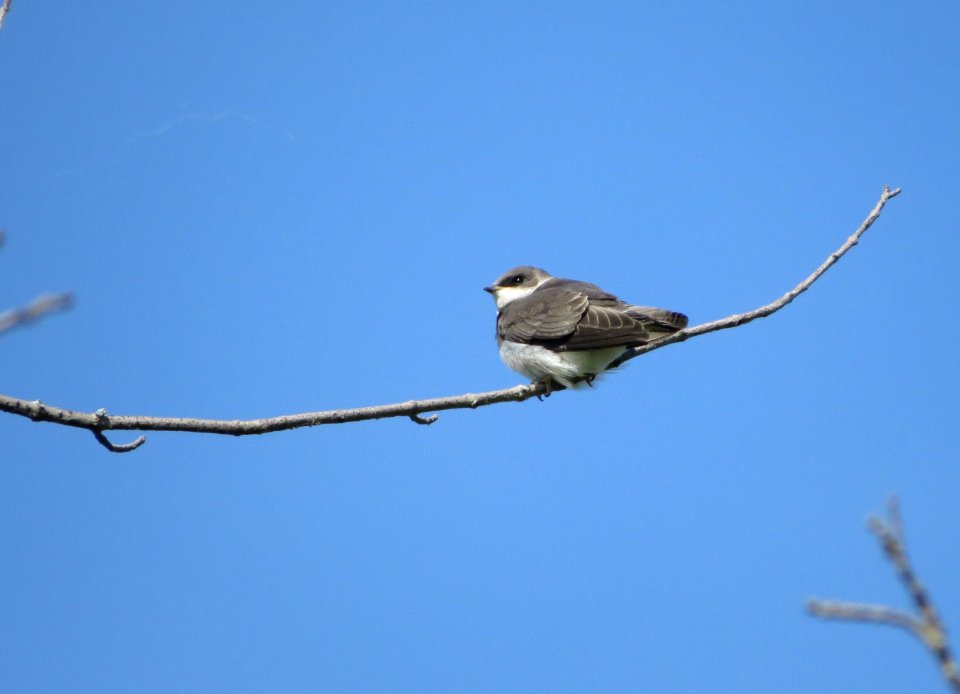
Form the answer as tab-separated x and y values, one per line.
99	422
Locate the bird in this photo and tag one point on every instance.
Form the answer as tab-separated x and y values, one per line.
562	332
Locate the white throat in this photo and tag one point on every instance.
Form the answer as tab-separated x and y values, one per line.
504	295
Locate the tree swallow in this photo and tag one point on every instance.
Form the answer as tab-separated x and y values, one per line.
558	331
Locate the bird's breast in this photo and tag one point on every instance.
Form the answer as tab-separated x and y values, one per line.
568	368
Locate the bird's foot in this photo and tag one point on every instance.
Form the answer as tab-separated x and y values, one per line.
548	385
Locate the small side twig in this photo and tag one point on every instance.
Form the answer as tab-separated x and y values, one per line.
38	308
104	419
925	625
118	447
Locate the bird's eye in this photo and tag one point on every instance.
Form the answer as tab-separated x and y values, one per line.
518	279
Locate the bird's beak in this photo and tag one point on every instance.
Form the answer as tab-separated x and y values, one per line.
490	290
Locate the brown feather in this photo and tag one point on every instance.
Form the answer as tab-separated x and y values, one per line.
566	315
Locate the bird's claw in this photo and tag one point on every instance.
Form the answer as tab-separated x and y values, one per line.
547	383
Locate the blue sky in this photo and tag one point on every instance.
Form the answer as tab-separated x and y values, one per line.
275	209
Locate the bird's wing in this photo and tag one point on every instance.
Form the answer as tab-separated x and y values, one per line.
568	316
608	326
548	314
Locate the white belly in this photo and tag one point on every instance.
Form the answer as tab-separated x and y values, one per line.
569	368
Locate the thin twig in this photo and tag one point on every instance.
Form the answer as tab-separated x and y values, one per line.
4	8
39	412
39	307
925	625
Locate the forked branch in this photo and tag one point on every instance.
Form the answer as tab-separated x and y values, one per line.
99	422
925	624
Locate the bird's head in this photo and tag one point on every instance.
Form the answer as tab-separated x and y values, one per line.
516	283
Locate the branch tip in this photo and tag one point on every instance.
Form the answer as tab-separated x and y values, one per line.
38	308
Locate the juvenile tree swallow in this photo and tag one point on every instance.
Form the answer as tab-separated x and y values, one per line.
554	330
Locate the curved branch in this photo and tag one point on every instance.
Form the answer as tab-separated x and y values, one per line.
118	447
4	8
100	421
739	319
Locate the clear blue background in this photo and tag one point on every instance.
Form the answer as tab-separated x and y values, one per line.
270	209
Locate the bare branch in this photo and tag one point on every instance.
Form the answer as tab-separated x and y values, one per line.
926	625
4	8
39	412
412	409
39	307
